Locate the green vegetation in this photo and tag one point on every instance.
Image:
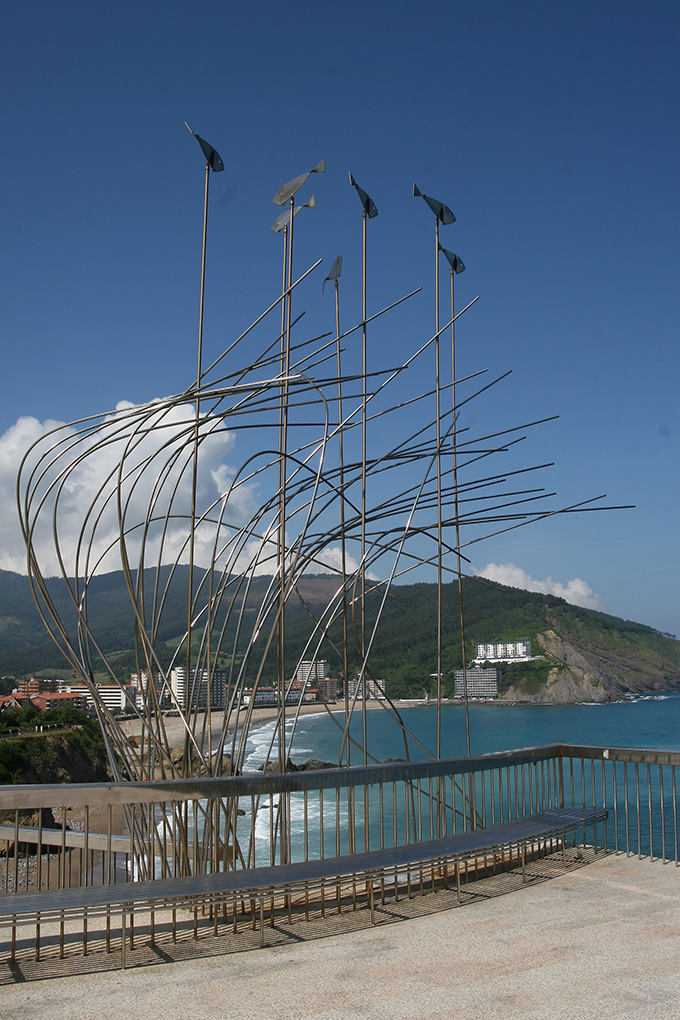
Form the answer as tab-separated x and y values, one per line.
527	677
26	719
75	754
6	685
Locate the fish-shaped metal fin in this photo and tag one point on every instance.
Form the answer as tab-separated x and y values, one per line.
212	156
285	193
283	219
441	211
334	274
454	261
369	205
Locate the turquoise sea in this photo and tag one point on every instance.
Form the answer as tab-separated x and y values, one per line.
648	722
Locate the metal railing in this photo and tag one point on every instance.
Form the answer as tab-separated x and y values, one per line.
99	833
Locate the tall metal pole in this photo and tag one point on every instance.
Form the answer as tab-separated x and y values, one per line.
369	211
280	541
214	163
363	496
281	536
442	214
457	524
284	451
194	477
343	541
439	488
284	195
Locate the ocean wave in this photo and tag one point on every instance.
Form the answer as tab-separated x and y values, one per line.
300	821
263	741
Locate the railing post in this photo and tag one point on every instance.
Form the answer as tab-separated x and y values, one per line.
616	807
604	799
649	802
663	816
675	818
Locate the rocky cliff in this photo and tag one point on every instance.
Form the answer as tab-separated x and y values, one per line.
581	669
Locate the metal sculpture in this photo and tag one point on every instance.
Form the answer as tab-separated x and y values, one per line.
284	507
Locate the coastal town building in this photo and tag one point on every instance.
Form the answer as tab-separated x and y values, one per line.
311	670
482	684
269	697
141	682
46	701
115	697
35	685
328	689
374	689
202	691
14	700
504	651
45	695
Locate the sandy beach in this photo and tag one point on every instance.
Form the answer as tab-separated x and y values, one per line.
175	729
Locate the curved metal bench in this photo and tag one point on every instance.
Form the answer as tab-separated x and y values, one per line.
256	885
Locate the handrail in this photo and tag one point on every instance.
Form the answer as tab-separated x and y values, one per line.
254	784
175	828
643	756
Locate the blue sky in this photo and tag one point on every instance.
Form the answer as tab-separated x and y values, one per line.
550	130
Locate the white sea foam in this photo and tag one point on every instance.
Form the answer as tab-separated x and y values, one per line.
299	822
263	742
258	744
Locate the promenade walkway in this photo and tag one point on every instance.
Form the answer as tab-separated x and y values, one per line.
600	942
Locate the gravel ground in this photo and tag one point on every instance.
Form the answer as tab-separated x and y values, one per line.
601	943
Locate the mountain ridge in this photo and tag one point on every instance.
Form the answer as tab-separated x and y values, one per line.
586	655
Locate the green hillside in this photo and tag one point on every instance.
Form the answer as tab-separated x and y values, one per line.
585	655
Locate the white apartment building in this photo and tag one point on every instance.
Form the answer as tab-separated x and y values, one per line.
141	680
504	651
269	696
201	690
481	683
116	697
374	689
311	670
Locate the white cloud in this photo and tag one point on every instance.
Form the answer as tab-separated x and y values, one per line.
577	591
13	445
331	557
154	443
139	460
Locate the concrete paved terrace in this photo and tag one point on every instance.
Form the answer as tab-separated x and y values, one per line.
602	941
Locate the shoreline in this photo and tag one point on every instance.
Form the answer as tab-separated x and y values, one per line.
175	729
260	716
